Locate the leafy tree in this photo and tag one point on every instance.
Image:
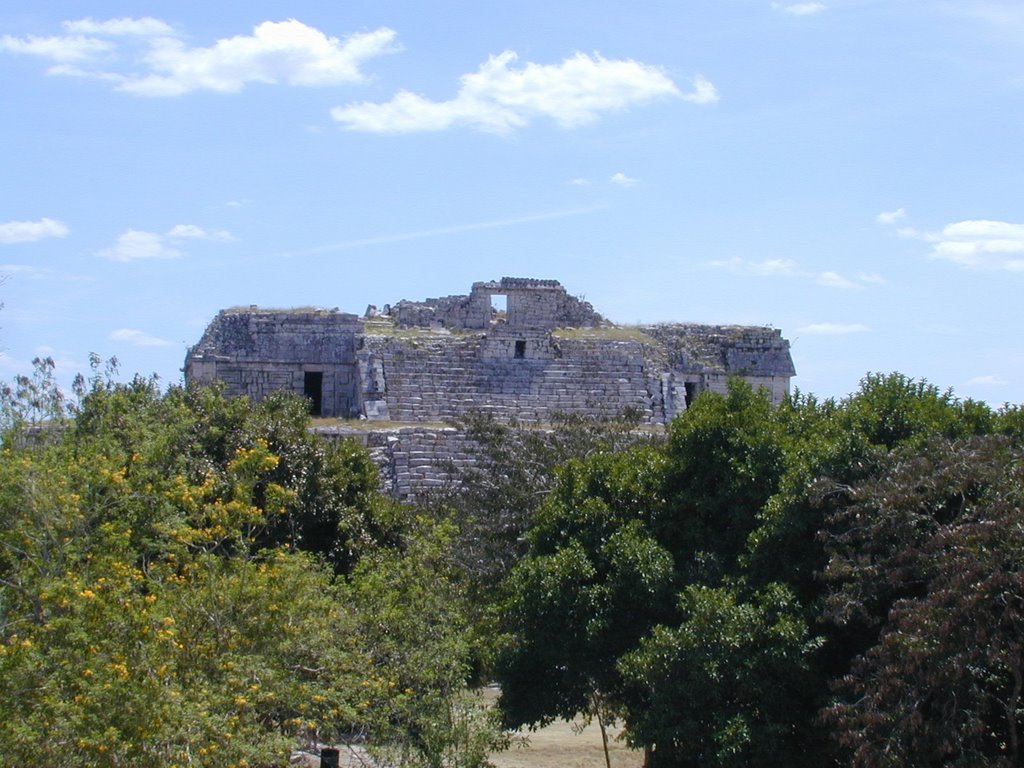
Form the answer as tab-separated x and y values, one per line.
594	583
494	501
726	457
930	553
187	579
746	505
719	689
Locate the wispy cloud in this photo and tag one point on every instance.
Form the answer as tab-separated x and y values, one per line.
800	9
991	380
192	232
287	52
835	280
455	229
144	27
31	231
499	97
833	329
891	217
62	49
139	245
623	180
138	338
790	268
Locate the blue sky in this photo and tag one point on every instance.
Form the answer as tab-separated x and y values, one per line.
849	171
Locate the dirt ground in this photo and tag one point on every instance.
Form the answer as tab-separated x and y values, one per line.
563	745
560	746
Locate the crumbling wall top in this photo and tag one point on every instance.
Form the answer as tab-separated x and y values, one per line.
530	303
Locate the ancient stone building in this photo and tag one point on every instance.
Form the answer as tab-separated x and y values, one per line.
535	352
515	348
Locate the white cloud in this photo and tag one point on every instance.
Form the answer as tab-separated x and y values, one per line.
704	92
138	338
790	268
891	217
63	49
276	52
623	180
980	244
800	9
768	267
579	182
30	231
191	231
835	280
833	329
145	27
498	98
138	245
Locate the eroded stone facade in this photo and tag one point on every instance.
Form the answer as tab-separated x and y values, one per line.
515	348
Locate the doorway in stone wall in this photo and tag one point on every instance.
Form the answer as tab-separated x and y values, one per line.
691	392
313	389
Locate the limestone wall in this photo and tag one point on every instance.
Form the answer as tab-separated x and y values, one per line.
414	461
255	352
529	304
439	378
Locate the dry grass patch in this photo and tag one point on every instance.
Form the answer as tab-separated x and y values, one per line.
565	745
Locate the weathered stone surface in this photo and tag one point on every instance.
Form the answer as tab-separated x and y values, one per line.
439	359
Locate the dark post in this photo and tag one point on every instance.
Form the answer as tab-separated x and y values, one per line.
329	757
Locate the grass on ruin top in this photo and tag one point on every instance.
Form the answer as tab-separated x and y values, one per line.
608	333
385	326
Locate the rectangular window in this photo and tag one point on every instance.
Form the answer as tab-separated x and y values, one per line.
520	349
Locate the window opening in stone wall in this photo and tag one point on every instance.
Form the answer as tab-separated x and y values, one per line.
520	349
691	392
499	307
313	388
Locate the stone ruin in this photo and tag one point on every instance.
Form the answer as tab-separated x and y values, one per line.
517	348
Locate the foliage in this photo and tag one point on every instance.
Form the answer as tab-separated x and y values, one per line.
496	499
719	688
191	580
740	515
930	552
33	400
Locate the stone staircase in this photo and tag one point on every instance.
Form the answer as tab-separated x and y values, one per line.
442	381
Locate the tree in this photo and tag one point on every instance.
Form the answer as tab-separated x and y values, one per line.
929	554
628	554
594	582
187	579
721	687
739	515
